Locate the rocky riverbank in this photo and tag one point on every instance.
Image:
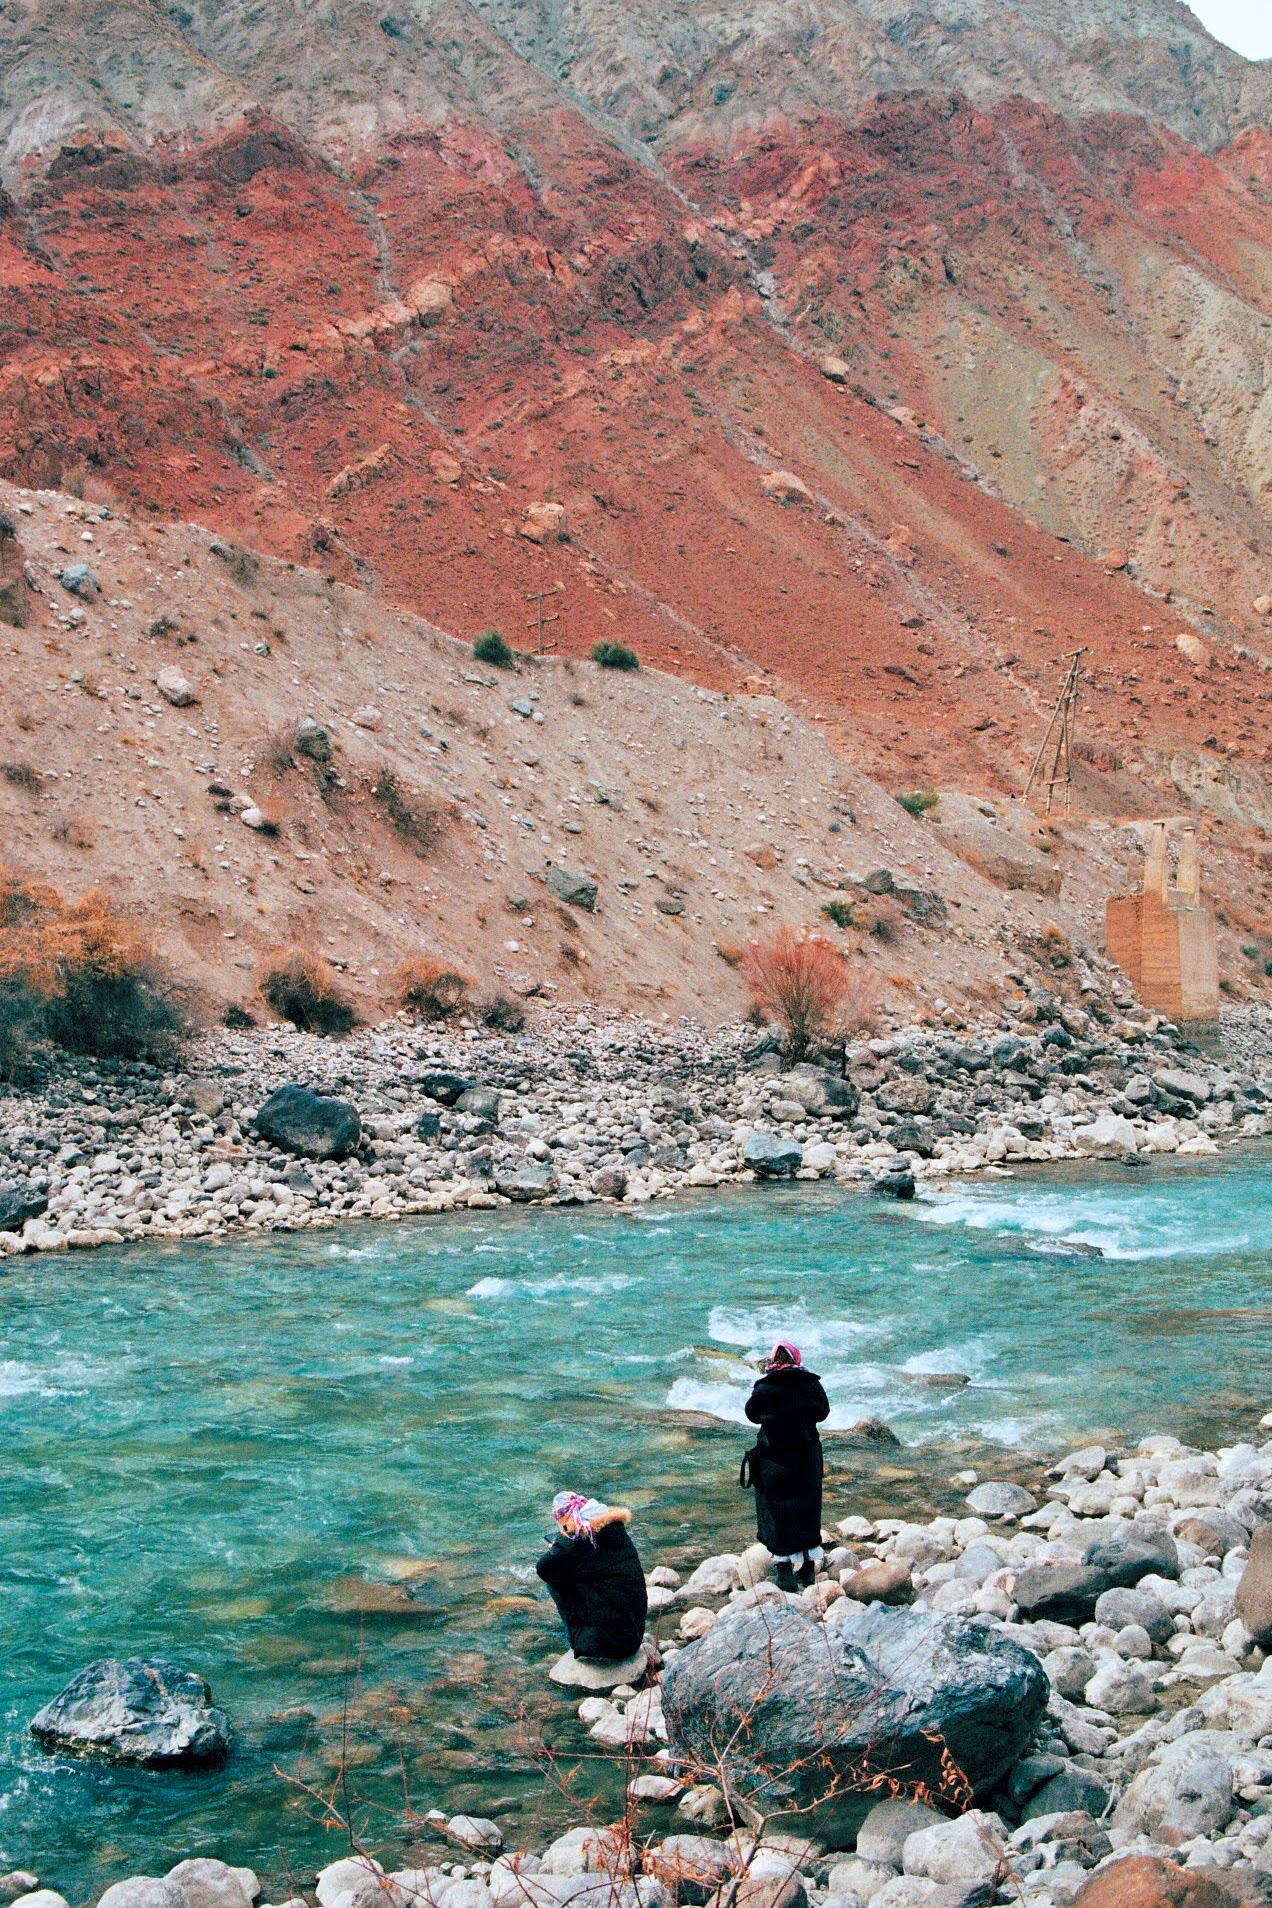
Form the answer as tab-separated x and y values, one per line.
582	1109
1096	1656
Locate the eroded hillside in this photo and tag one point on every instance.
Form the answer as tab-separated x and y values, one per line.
156	737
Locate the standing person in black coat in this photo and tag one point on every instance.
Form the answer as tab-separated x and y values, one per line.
595	1578
785	1465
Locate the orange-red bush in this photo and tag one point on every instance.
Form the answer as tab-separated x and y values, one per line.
429	988
80	975
801	981
301	987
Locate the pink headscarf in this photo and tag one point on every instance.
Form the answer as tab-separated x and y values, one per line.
571	1508
784	1356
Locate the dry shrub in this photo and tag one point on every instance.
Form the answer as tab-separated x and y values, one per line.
429	989
417	823
21	775
732	953
301	987
886	919
501	1013
801	981
79	975
277	750
73	832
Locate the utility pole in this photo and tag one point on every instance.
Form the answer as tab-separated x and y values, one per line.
540	621
1053	763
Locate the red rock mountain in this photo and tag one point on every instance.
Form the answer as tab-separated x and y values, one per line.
882	352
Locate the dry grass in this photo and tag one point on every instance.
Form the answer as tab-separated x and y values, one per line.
801	981
73	832
429	989
886	919
276	751
419	824
78	974
300	987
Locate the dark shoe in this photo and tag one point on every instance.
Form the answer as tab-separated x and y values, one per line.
807	1573
786	1578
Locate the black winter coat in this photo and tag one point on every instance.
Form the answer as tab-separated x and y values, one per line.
599	1590
786	1464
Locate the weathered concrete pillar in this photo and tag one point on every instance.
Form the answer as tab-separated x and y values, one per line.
1188	874
1156	863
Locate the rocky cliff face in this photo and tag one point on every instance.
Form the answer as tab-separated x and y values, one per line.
364	285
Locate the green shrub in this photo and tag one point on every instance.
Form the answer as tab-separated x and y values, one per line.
840	912
491	648
917	801
615	656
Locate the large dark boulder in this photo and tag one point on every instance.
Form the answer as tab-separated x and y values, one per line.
445	1087
18	1204
1127	1551
304	1122
143	1709
1061	1592
813	1719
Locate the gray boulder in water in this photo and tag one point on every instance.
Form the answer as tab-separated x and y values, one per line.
141	1709
304	1122
814	1718
772	1156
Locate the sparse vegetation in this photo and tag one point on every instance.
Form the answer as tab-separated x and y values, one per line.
615	656
501	1013
21	775
840	912
301	987
243	565
801	981
918	801
491	648
430	989
73	832
886	920
277	751
79	975
417	823
237	1018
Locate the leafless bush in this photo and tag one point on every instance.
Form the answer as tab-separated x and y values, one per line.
419	824
800	980
80	975
300	987
430	989
501	1013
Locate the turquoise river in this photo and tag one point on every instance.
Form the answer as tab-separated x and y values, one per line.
316	1467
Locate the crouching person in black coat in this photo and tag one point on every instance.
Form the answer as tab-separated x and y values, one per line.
595	1578
785	1465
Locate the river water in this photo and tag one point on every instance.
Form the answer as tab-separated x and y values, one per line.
316	1467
